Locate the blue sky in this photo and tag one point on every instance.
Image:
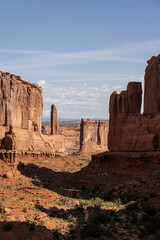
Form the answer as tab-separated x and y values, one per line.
79	51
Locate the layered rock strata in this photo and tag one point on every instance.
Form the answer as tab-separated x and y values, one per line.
93	136
21	103
21	107
129	130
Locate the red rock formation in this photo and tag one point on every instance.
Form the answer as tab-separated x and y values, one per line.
152	86
21	107
21	103
54	121
93	136
128	129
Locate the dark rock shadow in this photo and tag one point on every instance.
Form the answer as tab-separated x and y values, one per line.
25	231
97	223
74	185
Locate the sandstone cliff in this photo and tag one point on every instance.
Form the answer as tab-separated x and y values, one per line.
21	103
21	107
93	136
129	130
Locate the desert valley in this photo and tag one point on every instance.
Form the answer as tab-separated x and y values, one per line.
80	120
80	180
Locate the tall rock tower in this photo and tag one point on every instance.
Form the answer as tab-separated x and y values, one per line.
54	121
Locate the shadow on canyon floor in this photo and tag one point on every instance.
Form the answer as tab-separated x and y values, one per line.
90	223
76	185
109	206
88	183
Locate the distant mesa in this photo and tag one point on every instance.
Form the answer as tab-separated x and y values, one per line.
93	136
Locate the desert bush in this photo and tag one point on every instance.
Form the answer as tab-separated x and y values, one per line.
71	228
41	223
3	215
118	202
97	202
24	210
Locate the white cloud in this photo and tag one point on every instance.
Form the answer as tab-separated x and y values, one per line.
78	100
41	82
20	51
80	94
130	52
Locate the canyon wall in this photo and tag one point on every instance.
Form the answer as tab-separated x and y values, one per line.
21	103
129	130
21	107
93	136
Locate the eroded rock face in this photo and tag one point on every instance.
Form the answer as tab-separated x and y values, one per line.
129	130
152	86
54	121
21	107
93	136
21	103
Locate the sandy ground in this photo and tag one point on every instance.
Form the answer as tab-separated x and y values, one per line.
65	198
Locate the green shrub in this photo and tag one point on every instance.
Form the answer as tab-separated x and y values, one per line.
41	223
4	215
24	210
97	202
118	202
71	228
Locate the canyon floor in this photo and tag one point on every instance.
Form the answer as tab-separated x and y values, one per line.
66	197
